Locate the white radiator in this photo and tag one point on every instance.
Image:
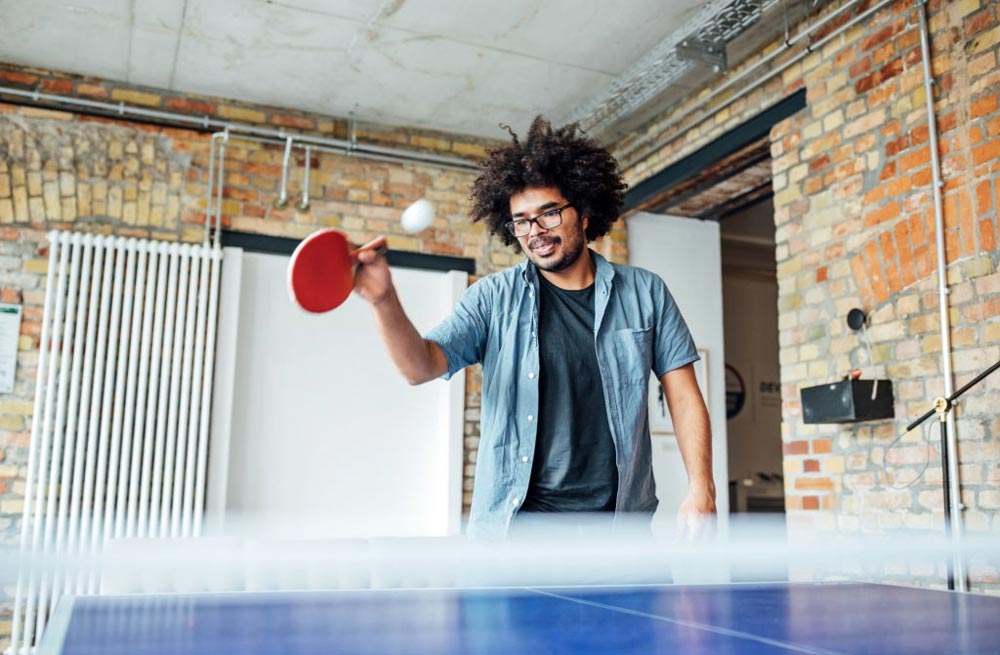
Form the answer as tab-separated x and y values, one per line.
119	440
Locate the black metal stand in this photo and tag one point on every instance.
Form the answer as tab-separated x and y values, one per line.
941	407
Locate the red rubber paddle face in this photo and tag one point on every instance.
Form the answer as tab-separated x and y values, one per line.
321	272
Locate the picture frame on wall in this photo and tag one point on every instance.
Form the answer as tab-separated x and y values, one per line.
660	422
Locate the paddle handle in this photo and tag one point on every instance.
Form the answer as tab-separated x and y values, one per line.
381	249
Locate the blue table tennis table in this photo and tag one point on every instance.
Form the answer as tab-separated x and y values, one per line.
826	619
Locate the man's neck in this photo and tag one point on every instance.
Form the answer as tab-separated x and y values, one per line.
578	276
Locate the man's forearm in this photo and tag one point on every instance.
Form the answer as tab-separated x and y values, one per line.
694	437
416	358
692	427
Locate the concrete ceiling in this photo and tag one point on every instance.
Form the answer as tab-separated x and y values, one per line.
455	65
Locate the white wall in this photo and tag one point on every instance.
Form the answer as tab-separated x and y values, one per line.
326	438
685	253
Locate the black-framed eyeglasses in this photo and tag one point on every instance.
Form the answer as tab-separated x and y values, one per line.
546	220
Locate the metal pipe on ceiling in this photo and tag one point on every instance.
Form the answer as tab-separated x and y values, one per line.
241	130
629	158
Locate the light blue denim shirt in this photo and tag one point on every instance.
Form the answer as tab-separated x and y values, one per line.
637	329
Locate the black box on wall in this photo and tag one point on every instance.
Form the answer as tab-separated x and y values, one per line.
847	401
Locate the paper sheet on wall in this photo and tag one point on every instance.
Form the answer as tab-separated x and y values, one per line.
10	330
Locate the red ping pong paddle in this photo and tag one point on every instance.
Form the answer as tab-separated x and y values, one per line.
321	271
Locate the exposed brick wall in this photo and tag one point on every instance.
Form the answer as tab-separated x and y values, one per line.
60	169
855	228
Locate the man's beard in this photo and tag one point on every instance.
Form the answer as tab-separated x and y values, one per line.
573	248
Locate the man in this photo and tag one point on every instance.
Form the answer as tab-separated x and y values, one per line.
566	340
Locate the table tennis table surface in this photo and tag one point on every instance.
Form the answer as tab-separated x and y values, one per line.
821	618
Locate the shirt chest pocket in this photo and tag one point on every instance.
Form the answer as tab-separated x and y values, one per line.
634	354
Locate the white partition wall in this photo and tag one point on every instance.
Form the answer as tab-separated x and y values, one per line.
317	434
686	254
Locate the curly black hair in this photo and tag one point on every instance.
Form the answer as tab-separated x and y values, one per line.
585	173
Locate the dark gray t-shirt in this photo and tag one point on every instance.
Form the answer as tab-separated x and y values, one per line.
574	465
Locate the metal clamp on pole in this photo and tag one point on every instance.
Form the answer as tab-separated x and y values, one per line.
943	407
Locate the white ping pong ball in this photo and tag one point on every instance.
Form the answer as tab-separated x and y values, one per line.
418	216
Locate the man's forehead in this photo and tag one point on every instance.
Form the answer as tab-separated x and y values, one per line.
534	200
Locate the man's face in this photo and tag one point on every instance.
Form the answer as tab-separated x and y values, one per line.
556	248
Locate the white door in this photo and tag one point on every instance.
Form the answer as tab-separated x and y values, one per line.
685	253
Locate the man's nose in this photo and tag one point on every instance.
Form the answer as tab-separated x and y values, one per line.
536	229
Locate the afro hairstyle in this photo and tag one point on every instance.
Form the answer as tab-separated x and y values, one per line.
566	158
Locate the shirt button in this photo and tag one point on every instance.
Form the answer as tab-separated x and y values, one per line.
531	417
531	376
524	458
515	500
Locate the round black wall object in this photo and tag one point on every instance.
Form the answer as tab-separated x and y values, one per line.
856	319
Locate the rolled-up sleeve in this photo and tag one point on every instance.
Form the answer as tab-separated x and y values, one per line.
463	335
674	346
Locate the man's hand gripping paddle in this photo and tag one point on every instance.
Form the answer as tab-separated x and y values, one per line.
321	271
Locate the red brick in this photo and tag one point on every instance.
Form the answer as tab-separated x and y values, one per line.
987	235
867	83
880	96
860	67
991	308
298	122
897	146
883	53
986	153
242	195
984	198
439	248
985	105
262	169
947	122
875	195
888	171
841	59
899	186
873	268
188	106
890	70
891	129
912	57
993	127
54	85
819	162
978	22
795	448
254	210
883	35
822	446
810	465
967	224
18	78
905	250
923	177
810	502
914	159
821	274
883	214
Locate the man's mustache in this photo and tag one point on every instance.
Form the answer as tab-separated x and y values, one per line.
542	241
